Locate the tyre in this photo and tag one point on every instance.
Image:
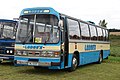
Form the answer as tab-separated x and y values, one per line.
106	58
74	64
37	67
0	61
100	58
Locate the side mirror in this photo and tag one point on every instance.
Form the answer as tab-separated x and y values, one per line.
60	23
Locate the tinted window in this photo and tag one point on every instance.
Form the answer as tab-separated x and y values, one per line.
100	36
93	32
74	31
84	31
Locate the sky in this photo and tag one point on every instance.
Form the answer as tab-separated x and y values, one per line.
87	10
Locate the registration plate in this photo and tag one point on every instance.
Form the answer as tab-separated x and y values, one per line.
33	63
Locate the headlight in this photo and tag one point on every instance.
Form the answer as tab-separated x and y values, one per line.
43	54
21	53
49	54
24	53
11	51
18	52
7	51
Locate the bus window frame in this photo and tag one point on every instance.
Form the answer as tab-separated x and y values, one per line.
101	37
89	38
78	27
96	32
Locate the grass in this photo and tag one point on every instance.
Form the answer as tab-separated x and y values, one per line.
115	45
108	70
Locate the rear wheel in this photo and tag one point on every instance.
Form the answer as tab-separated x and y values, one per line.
74	63
0	61
100	58
106	58
37	67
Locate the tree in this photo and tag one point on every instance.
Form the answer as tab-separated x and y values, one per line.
103	23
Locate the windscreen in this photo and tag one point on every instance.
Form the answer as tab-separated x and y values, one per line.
38	29
7	30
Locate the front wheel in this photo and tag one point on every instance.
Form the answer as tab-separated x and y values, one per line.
0	61
74	64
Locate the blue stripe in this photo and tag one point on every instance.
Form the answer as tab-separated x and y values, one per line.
106	53
84	58
70	60
6	20
88	57
5	40
11	57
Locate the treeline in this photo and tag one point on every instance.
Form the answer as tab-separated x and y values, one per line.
114	30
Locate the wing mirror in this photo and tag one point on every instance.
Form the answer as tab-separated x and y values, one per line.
60	23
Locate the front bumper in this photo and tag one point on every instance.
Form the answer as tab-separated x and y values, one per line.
6	58
37	61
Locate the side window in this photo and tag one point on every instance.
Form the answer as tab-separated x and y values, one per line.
85	31
100	36
74	31
93	32
104	35
1	26
107	38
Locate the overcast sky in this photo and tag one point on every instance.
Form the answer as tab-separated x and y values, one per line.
87	10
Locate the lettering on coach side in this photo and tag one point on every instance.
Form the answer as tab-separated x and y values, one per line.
90	47
32	47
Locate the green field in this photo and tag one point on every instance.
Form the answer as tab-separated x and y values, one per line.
115	45
108	70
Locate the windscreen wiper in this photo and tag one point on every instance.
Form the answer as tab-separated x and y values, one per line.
27	38
46	41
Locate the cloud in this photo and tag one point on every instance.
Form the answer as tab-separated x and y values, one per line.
93	10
